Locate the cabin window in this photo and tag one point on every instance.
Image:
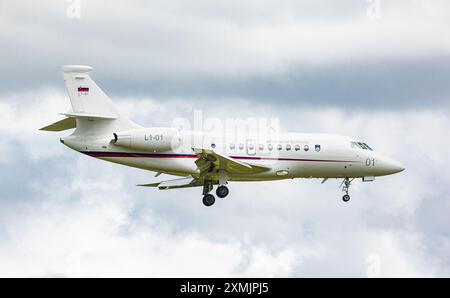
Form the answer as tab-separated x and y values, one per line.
288	147
261	147
251	146
232	146
270	147
241	146
279	147
306	148
297	147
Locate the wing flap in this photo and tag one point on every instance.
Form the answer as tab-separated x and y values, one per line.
175	183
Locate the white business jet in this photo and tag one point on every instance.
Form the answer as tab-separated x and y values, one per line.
102	131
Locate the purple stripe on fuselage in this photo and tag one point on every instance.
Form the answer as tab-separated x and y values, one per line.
170	155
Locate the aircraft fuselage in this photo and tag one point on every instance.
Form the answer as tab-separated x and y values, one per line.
291	155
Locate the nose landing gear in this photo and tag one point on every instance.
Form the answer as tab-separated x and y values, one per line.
345	185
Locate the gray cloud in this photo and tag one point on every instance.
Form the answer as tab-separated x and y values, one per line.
304	52
381	84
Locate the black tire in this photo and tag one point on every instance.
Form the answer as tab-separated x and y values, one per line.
209	200
346	198
222	191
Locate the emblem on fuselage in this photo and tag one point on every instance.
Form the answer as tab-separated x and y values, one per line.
317	147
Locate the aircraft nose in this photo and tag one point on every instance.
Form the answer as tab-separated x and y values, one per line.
392	166
397	167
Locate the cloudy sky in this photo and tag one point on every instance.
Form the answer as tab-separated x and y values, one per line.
375	70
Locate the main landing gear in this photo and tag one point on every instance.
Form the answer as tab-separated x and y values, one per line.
208	199
345	185
222	191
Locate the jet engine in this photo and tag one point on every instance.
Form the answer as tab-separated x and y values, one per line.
153	139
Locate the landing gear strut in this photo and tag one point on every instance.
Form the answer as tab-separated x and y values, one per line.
345	187
208	199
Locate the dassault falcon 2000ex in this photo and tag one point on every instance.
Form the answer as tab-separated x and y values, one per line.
103	132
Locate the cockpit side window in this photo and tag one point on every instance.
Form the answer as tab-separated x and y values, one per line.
356	145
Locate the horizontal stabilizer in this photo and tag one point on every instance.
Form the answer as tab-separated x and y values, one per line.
93	116
61	125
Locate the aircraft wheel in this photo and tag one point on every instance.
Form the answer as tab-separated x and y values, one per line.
346	198
222	191
208	200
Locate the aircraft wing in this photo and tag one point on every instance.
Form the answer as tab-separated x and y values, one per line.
210	160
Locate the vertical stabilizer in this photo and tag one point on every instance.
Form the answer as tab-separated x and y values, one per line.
88	99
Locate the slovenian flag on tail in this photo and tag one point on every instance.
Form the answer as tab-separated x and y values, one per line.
83	89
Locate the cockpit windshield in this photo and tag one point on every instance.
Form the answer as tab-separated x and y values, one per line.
361	145
368	147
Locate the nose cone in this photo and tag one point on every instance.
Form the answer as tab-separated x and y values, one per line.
391	166
396	167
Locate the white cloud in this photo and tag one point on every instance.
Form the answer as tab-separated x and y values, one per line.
23	115
88	218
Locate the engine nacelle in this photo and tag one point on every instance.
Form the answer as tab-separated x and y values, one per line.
155	139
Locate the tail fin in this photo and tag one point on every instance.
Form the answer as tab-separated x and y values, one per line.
93	110
85	95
